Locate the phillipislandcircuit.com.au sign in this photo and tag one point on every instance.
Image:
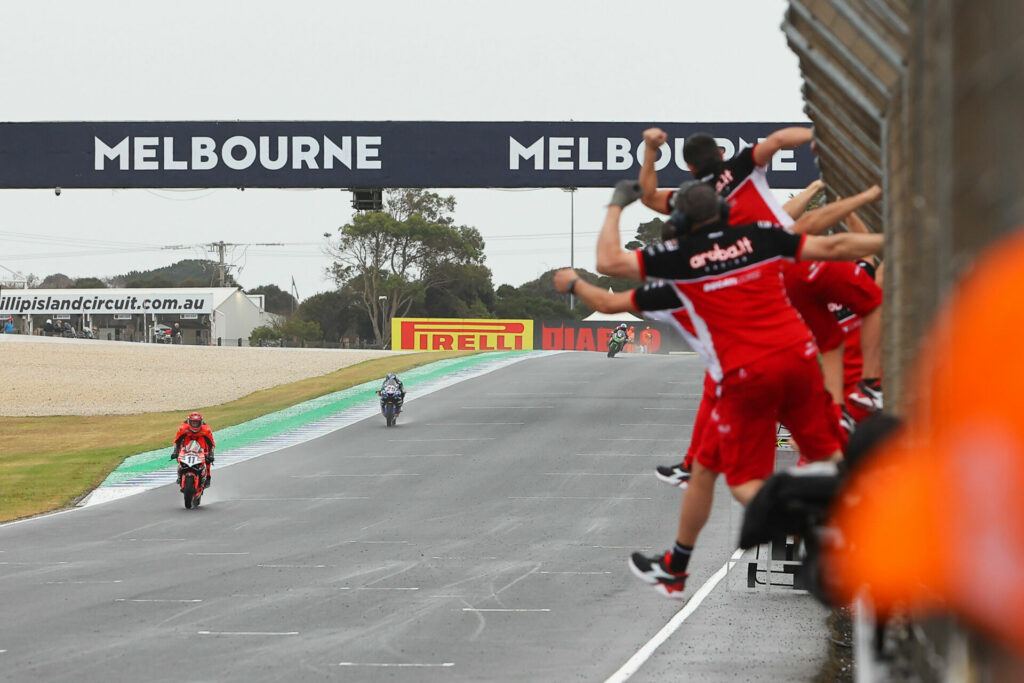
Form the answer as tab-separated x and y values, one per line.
100	302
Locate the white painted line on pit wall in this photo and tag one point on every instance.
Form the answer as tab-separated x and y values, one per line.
643	654
400	665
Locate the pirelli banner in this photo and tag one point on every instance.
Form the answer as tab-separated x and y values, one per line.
362	154
459	334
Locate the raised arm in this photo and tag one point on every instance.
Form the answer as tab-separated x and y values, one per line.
597	298
612	259
855	224
820	220
843	247
786	138
798	204
653	198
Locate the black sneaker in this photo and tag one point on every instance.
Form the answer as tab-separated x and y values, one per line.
677	475
846	421
868	398
654	571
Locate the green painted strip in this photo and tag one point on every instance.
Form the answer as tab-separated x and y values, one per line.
299	415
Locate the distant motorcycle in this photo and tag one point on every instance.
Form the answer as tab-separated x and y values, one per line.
616	342
390	403
193	468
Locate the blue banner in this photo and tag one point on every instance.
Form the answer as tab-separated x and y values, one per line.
361	154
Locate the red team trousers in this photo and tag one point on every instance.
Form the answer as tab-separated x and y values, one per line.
739	437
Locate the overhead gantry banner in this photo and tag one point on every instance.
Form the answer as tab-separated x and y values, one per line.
361	154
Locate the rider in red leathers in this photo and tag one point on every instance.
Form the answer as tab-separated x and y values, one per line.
194	429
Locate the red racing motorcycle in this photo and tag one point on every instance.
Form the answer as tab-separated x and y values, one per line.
192	472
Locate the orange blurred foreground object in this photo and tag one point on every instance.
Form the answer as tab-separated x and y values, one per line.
935	518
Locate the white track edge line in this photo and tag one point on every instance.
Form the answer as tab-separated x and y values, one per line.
643	654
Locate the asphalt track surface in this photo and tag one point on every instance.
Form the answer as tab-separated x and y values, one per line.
484	538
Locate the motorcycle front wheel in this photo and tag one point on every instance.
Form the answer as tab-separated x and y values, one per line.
189	491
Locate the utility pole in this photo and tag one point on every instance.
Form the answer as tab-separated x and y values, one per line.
221	248
222	267
572	235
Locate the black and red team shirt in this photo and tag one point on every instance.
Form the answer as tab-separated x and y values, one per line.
659	301
730	280
744	185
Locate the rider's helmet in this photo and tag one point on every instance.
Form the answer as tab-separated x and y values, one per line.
622	326
195	422
391	376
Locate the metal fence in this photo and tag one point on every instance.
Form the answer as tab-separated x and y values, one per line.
924	97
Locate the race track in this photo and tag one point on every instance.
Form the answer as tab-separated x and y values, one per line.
484	538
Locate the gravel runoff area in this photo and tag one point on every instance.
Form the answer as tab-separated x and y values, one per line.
54	376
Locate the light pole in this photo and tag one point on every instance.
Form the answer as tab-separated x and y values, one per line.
572	235
383	301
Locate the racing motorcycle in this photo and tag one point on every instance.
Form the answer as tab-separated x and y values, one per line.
193	469
616	342
390	403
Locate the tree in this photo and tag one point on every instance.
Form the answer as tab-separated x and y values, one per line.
275	299
392	257
296	329
57	281
647	234
338	313
90	283
466	292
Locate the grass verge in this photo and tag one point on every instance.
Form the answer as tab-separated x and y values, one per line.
47	463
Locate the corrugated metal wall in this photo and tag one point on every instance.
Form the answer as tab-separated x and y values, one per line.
926	98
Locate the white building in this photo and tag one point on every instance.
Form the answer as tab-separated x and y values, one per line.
205	315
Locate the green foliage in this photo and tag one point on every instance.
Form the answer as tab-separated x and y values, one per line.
262	333
293	328
647	234
520	305
275	299
89	283
57	281
461	289
186	273
393	258
337	314
296	329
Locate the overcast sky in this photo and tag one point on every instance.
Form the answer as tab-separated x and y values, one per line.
551	60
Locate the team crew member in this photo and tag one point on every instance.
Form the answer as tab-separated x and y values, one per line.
811	222
195	429
743	182
760	352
